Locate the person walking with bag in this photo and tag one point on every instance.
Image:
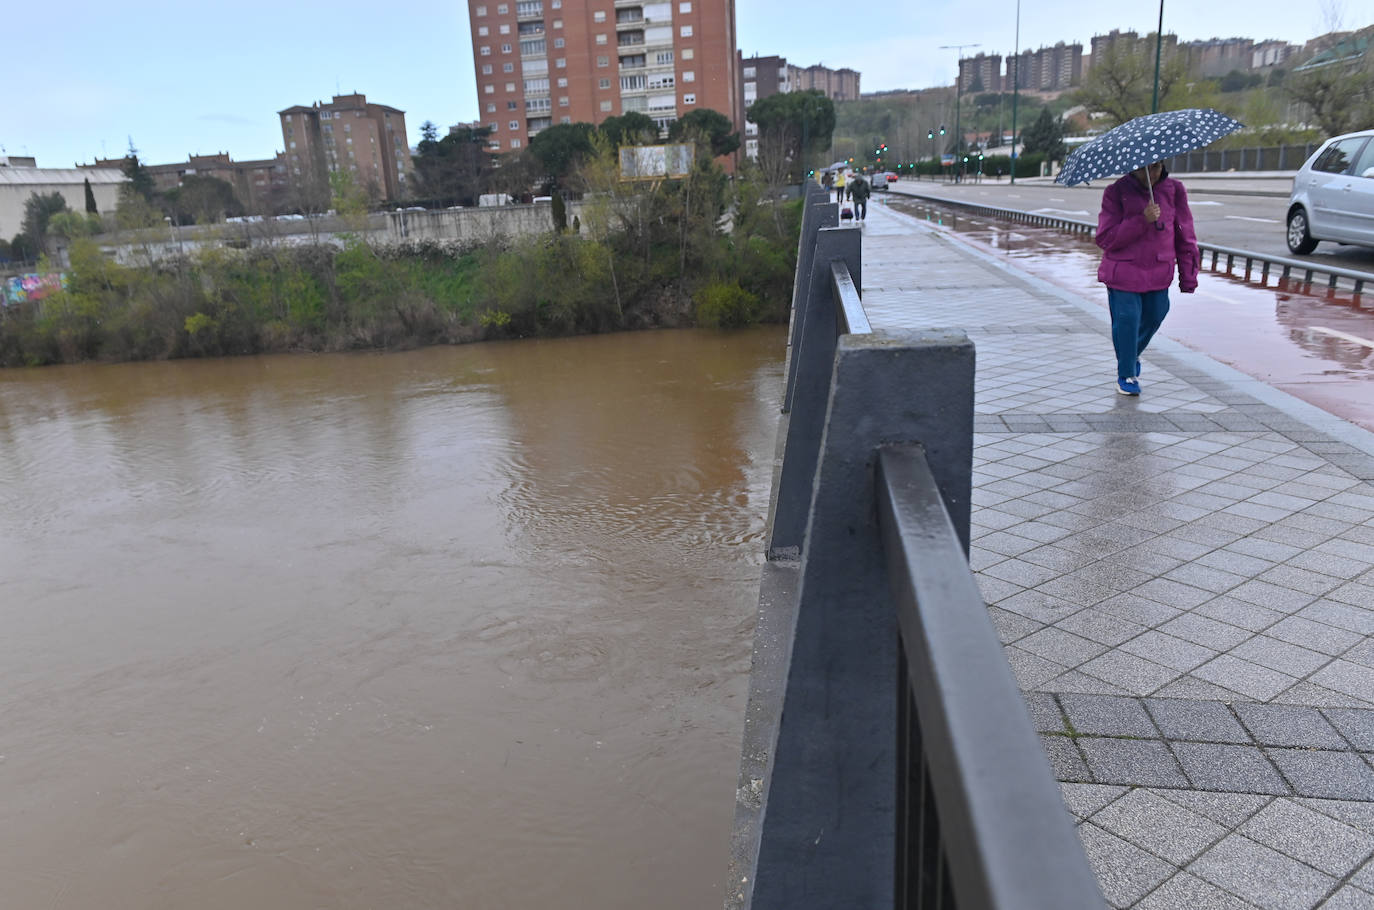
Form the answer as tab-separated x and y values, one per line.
1145	230
859	191
839	187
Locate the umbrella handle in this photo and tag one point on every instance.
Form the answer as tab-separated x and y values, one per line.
1159	225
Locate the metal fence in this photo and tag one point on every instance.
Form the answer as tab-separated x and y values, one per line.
889	760
1266	158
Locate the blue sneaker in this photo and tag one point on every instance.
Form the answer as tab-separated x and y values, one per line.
1137	369
1127	386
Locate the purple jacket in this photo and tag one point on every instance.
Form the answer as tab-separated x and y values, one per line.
1137	256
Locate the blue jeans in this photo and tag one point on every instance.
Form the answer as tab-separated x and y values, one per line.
1135	319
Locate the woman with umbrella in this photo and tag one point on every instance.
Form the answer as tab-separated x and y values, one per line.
1145	228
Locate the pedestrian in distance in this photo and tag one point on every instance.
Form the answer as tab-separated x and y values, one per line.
1145	230
860	190
839	187
827	181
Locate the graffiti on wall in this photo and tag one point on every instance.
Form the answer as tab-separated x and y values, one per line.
33	286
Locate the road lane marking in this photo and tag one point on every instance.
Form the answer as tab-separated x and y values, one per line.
1355	338
1058	212
1200	202
1248	218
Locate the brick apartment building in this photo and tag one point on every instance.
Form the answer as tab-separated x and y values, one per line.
760	77
1048	69
982	73
259	185
348	134
544	62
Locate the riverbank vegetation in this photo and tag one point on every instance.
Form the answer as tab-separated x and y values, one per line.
706	249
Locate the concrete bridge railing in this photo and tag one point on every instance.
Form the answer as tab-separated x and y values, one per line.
888	759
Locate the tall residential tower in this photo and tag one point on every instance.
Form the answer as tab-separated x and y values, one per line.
543	62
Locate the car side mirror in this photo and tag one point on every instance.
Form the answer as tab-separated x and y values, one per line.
1367	172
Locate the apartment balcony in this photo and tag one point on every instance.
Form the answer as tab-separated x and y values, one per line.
529	10
629	18
630	39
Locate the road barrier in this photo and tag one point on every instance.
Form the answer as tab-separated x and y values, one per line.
1285	269
888	758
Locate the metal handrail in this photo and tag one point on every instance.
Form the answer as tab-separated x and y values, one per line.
1266	261
852	318
1000	836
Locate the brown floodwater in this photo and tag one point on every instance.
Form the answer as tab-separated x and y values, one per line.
461	627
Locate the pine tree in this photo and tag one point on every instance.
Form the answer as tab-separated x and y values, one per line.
90	199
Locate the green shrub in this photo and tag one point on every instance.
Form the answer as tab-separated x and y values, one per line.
726	305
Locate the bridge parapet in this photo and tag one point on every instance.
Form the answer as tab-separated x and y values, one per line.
888	759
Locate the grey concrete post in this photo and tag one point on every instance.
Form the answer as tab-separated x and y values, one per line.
829	823
819	213
812	359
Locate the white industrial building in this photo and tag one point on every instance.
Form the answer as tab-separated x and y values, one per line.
18	183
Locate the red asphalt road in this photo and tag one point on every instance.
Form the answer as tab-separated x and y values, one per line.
1314	344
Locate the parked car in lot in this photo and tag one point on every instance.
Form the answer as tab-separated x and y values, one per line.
1333	195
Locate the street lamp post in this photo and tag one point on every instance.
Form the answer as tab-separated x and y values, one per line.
1159	42
958	136
1015	88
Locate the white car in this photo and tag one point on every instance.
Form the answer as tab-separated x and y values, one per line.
1333	195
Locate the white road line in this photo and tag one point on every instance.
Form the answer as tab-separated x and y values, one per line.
1196	204
1355	338
1248	218
1059	212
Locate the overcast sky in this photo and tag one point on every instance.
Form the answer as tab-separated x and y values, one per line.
198	78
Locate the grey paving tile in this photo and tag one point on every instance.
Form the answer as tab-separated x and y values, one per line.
994	588
1011	626
1204	577
1167	650
1298	579
1192	688
1030	669
1173	593
1143	763
1104	715
1247	616
1317	636
1292	659
1185	891
1289	725
1134	674
1084	799
1313	695
1206	632
1259	683
1228	768
1342	616
1332	564
1139	610
1096	624
1356	725
1164	828
1364	877
1065	760
1350	678
1229	809
1044	712
1275	597
1318	840
1358	815
1326	775
1073	681
1196	720
1125	872
1353	593
1261	875
1041	607
1349	897
1014	575
1060	646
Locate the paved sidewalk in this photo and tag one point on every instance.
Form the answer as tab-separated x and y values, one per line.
1184	584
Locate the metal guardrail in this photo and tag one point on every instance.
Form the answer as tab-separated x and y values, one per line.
889	760
1266	262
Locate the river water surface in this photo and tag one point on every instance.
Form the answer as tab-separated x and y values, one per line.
462	627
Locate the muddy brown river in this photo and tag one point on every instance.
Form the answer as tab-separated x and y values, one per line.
466	627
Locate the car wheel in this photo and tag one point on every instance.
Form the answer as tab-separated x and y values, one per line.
1299	237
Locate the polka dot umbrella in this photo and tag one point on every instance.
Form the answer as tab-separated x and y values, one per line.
1143	141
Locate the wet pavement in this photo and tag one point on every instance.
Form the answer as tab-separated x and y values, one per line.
1183	583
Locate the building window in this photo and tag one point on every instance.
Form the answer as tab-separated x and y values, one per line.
505	48
599	16
562	102
288	118
505	29
556	4
605	105
684	7
558	42
685	31
689	99
664	57
558	23
481	11
502	9
631	83
493	126
565	120
508	67
293	144
562	81
560	63
484	51
491	108
749	73
606	83
514	125
600	39
603	61
688	53
689	76
488	89
486	69
483	31
515	143
510	86
325	115
511	105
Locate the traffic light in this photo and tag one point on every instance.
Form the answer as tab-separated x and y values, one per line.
942	129
931	134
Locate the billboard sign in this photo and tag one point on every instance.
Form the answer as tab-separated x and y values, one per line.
654	162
